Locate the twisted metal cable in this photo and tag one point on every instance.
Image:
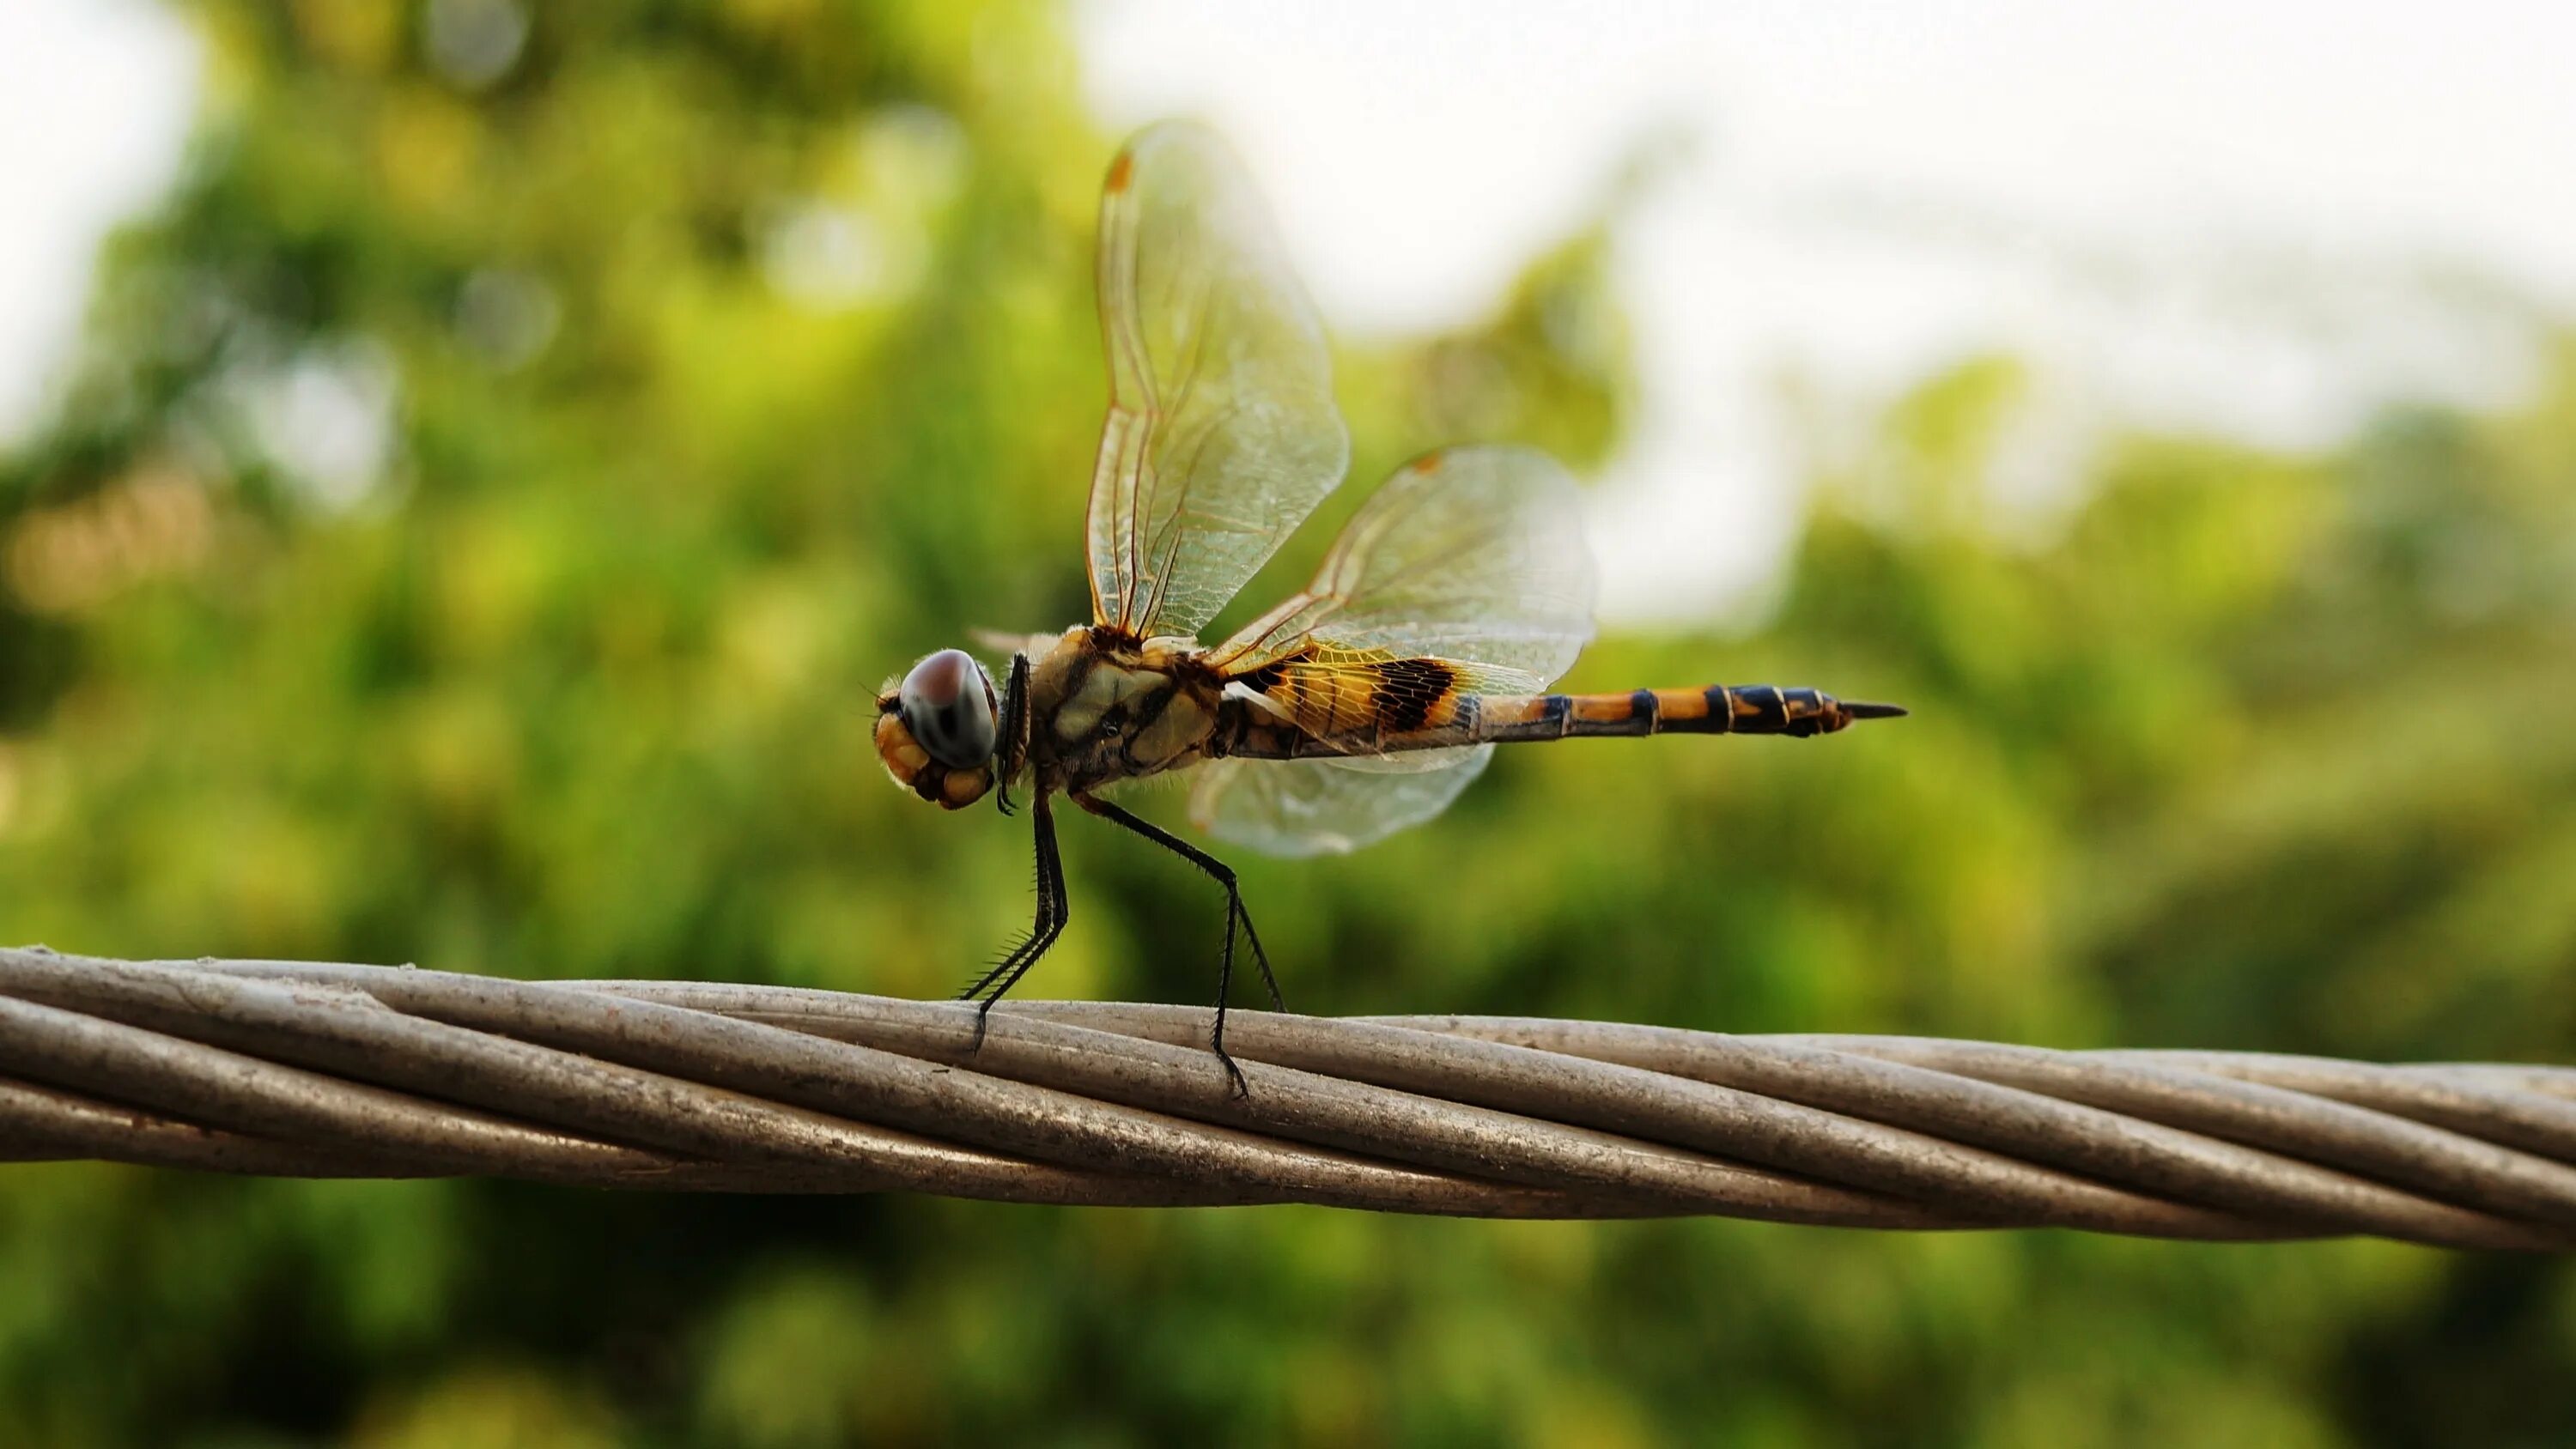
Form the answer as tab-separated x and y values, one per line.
312	1069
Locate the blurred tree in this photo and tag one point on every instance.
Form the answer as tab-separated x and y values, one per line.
502	473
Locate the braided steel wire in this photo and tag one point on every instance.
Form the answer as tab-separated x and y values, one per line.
314	1069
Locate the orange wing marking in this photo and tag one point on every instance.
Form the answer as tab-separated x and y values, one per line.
1359	697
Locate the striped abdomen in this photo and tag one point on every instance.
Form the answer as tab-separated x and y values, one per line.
1720	709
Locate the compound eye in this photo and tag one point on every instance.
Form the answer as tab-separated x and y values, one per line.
947	703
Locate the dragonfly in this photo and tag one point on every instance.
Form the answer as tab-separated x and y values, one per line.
1360	705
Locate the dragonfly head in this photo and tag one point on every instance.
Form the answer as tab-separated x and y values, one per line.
936	729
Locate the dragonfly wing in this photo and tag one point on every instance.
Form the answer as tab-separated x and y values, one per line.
1222	435
1325	807
1351	700
1470	555
1464	574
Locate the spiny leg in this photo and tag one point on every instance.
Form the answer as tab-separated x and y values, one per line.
1051	884
1216	869
1046	909
1223	875
1013	748
1053	907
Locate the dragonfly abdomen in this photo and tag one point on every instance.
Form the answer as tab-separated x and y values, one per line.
1478	719
1719	709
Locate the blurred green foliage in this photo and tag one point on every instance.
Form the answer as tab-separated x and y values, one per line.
733	355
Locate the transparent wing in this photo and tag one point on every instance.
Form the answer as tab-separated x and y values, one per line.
1222	435
1322	807
1353	700
1466	572
1473	555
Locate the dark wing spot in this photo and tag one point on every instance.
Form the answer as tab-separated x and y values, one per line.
1407	689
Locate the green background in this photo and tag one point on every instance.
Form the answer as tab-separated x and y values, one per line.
2231	748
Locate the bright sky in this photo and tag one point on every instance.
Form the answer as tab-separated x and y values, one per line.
2208	212
95	98
2220	214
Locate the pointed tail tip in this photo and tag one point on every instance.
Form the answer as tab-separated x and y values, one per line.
1858	710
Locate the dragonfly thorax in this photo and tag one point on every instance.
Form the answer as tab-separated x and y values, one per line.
1104	708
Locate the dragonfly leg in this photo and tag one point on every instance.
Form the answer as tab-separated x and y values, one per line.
1053	908
1235	914
1013	748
